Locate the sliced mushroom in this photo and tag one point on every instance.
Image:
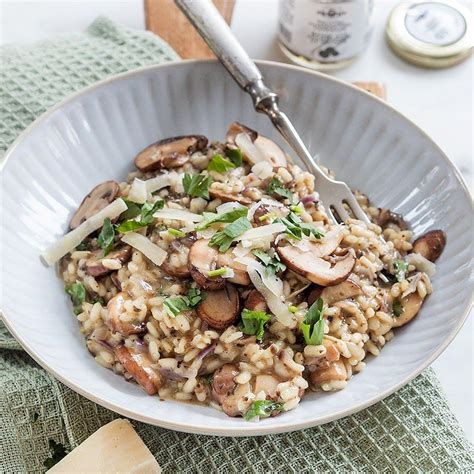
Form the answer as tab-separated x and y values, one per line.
241	277
343	291
115	307
266	383
220	308
430	245
325	271
335	371
138	365
229	197
169	153
410	307
201	260
271	152
314	294
386	216
101	196
179	248
236	128
96	268
255	301
332	352
223	388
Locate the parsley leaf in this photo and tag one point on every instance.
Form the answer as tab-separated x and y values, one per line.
178	304
234	155
146	217
313	323
231	216
84	245
133	210
197	185
296	228
176	233
276	187
77	291
224	238
273	264
253	323
397	308
263	409
106	236
220	164
58	452
401	268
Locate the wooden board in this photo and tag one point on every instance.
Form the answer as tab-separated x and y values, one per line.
163	18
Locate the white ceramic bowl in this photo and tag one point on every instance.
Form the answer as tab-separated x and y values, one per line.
94	135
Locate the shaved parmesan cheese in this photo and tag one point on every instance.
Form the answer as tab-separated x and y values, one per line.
240	251
262	231
156	254
177	215
421	263
269	203
262	169
159	182
227	207
72	239
138	191
275	303
229	273
205	233
116	447
272	282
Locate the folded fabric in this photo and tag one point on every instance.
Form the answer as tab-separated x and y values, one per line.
410	431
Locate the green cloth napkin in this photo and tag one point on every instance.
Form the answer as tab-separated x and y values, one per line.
411	431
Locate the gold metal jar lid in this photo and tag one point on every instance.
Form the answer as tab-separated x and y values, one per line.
432	34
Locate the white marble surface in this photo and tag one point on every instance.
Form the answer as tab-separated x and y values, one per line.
441	102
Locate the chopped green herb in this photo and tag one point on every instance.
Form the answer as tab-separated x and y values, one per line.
276	187
58	452
397	308
296	209
313	323
99	299
176	232
296	228
253	323
263	409
178	304
231	216
269	216
84	245
106	236
401	268
224	238
208	378
293	309
146	217
77	291
197	185
220	164
273	264
234	155
133	210
216	273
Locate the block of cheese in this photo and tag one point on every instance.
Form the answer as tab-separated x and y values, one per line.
114	448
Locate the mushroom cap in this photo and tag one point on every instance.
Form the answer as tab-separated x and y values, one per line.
100	196
201	260
223	387
335	371
94	266
138	365
220	308
235	128
343	291
241	277
229	197
271	152
255	301
114	323
386	216
411	306
179	246
169	153
430	245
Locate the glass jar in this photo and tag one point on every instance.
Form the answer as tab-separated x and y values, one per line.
324	34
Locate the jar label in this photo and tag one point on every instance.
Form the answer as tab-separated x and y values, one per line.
325	30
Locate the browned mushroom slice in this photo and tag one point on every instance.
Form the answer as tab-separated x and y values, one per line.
229	197
410	307
115	307
241	277
386	216
220	308
201	260
266	383
271	152
169	153
94	265
316	265
223	387
343	291
101	196
236	128
314	294
176	264
255	301
335	371
430	245
138	365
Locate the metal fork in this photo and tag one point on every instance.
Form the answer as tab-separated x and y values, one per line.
216	33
